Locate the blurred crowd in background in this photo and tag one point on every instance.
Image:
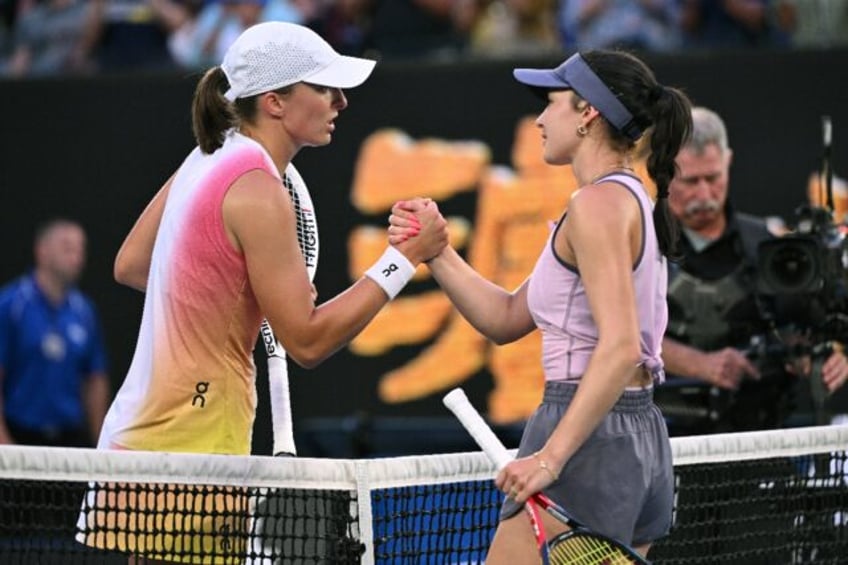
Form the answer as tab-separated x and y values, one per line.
49	37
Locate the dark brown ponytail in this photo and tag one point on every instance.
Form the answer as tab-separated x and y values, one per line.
211	114
664	112
672	127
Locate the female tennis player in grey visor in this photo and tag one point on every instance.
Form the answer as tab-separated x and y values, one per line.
597	444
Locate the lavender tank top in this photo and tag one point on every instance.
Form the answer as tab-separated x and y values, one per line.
559	306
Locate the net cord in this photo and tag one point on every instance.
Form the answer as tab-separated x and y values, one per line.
84	465
52	463
741	446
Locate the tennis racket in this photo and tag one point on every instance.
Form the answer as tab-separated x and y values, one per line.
278	373
579	545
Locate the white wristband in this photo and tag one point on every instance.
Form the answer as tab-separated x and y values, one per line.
391	271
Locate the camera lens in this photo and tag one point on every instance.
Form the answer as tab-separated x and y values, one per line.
793	267
790	265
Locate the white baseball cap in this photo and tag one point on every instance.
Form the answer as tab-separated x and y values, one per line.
271	55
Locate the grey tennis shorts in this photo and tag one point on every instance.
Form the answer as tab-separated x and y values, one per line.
620	482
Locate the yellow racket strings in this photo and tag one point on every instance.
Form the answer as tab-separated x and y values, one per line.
583	550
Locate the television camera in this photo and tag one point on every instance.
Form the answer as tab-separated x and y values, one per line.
802	282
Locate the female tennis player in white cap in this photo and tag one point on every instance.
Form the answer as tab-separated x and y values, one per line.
216	251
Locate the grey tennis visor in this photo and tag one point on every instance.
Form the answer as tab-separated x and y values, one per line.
575	74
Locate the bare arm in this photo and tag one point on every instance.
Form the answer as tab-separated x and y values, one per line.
724	368
95	397
260	219
835	369
132	264
501	316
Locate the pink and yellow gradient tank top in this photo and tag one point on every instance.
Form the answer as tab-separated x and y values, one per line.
559	306
191	383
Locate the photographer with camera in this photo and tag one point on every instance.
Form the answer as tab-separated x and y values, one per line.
725	371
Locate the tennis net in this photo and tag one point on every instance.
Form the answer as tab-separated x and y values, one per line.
757	497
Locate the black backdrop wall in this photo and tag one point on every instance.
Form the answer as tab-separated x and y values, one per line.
97	149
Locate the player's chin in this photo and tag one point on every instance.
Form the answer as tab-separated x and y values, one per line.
321	140
552	156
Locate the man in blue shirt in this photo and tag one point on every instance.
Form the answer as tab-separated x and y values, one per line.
55	388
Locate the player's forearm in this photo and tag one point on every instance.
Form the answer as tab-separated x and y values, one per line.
682	360
499	315
333	324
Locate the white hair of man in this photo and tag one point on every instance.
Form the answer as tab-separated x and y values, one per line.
707	129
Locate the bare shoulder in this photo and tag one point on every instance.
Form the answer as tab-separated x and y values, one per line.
256	184
255	205
255	195
605	203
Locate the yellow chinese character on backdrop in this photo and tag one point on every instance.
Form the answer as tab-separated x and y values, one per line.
516	208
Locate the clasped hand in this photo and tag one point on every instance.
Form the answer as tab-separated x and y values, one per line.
418	229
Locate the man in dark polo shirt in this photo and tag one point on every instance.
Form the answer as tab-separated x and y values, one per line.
715	314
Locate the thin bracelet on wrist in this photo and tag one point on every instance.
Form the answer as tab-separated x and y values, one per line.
544	465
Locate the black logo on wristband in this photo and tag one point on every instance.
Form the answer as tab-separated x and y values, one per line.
389	270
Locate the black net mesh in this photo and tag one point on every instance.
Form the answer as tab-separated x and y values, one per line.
104	522
762	511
